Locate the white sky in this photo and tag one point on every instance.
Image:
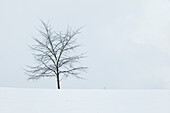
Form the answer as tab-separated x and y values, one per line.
127	41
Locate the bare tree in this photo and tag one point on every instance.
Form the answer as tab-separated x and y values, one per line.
54	56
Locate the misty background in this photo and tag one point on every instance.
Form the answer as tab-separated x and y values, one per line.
127	41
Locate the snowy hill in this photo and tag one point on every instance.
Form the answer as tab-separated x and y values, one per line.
13	100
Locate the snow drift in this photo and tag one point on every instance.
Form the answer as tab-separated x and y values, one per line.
13	100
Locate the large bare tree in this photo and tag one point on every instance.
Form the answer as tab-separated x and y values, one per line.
55	56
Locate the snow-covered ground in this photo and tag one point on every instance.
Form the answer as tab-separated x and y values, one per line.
13	100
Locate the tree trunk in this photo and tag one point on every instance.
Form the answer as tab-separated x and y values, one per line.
58	81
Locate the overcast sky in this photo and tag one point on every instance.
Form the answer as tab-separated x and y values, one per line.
127	41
